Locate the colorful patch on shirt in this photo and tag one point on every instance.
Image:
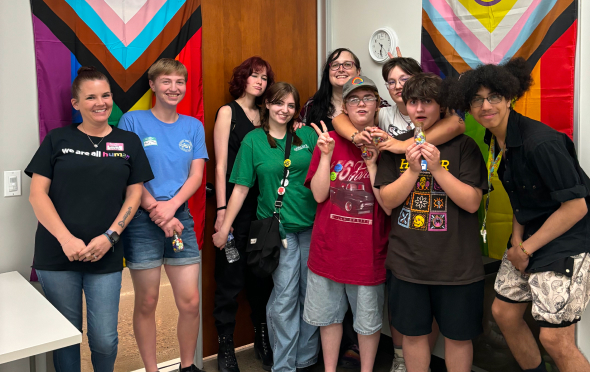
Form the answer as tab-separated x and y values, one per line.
150	141
408	202
439	202
404	218
437	222
420	202
436	187
423	183
111	146
419	221
186	145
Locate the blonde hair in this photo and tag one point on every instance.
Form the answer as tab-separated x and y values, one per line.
167	66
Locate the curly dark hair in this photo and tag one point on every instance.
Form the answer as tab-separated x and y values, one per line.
237	84
511	80
274	95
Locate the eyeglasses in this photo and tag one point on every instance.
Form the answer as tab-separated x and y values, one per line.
492	99
356	101
347	65
392	83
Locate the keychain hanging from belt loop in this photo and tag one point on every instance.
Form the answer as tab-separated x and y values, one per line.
492	165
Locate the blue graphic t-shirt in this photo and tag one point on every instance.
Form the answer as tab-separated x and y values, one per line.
170	149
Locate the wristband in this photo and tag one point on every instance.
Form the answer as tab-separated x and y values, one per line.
352	137
524	250
221	208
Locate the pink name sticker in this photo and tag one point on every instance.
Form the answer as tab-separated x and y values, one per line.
115	146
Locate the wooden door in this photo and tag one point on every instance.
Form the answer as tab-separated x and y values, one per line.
283	33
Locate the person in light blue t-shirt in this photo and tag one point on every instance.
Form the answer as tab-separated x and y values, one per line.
175	147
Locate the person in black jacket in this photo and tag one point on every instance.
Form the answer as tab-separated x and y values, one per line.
547	261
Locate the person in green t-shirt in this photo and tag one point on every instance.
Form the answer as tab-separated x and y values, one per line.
261	156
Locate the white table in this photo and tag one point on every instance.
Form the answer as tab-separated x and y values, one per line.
29	324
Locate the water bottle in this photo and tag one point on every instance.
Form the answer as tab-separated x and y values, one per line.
231	252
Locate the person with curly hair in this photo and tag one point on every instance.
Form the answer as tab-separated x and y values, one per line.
234	120
547	259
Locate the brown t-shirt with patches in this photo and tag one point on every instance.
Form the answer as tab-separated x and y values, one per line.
432	240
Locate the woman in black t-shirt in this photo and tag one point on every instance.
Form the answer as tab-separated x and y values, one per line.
86	184
233	121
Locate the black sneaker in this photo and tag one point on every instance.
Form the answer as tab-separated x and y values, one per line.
192	368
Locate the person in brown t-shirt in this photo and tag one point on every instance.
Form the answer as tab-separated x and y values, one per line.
433	250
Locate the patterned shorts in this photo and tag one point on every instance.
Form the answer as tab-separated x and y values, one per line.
558	300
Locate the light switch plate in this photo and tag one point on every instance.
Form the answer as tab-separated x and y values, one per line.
12	183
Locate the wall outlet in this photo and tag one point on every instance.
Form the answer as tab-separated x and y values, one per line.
12	183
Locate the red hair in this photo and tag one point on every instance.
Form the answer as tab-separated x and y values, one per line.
237	84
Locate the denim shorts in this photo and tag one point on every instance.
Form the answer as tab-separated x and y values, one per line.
147	247
327	301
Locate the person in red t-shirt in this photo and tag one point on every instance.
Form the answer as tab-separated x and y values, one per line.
341	180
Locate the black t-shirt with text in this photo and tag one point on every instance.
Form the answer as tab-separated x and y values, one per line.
88	188
432	240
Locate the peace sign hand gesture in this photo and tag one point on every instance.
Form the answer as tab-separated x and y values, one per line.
325	142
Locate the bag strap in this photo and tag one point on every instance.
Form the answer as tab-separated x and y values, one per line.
279	201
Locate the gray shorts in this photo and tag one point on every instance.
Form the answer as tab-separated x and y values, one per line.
327	301
558	300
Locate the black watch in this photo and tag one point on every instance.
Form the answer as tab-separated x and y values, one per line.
113	237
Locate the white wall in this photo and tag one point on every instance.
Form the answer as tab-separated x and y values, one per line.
19	138
352	23
582	133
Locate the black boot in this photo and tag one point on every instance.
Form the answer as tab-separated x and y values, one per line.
192	368
262	348
226	356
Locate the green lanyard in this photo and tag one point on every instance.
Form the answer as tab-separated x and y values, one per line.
493	163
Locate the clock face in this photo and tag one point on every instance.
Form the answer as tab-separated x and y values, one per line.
381	43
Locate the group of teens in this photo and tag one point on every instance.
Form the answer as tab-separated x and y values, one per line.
366	209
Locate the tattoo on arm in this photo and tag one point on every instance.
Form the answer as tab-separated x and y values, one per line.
122	223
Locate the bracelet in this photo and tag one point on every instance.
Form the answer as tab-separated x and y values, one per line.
221	208
524	250
352	137
66	243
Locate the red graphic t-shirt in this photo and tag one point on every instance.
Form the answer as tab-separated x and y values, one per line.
349	238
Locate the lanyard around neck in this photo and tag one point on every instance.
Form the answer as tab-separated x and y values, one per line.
492	165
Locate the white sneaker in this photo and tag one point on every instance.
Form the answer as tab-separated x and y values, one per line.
399	364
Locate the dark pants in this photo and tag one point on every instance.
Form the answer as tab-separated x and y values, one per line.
232	278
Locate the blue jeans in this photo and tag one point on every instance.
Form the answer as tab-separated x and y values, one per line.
63	289
294	342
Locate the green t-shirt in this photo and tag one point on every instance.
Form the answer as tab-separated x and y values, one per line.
256	159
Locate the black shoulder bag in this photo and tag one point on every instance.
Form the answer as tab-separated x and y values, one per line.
264	243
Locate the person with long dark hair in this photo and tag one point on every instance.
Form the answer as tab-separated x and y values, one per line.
87	180
262	157
233	122
547	259
341	65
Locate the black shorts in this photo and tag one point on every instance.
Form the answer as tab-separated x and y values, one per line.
458	309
